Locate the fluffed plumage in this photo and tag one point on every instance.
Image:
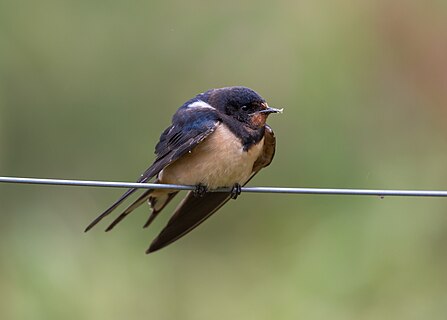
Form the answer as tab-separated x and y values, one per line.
217	139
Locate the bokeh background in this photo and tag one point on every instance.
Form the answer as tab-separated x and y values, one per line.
86	87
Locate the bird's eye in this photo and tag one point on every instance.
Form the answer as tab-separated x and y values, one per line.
244	108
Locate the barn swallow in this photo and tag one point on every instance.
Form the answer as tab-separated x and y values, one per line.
217	139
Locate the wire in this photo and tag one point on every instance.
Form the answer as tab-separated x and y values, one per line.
112	184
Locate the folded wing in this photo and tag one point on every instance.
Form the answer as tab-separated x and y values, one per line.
192	211
188	130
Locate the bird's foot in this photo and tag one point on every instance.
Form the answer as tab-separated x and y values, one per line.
200	190
236	191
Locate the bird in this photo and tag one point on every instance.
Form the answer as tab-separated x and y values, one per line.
218	139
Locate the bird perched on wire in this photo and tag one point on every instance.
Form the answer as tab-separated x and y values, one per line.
217	139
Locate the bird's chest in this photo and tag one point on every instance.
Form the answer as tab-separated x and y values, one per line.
219	161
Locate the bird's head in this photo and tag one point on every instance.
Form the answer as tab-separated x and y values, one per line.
242	104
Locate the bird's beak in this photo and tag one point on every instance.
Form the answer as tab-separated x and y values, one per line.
258	118
269	110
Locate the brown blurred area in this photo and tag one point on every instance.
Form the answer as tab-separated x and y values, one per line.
415	39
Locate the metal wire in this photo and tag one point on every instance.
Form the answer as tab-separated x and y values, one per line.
325	191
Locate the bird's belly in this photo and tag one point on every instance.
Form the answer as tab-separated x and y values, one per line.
218	161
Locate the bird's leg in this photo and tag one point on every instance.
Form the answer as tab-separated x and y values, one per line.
236	191
200	190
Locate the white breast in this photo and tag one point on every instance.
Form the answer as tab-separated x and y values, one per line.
218	161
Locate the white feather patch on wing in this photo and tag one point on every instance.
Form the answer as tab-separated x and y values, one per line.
200	105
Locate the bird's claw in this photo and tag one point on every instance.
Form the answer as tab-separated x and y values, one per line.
200	190
236	191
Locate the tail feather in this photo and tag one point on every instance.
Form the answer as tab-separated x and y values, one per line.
157	204
191	212
110	209
129	209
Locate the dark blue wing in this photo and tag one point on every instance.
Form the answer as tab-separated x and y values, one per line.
189	127
193	210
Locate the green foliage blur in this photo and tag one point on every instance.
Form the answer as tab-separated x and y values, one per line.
86	87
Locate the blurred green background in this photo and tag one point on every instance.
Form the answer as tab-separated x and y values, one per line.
86	87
